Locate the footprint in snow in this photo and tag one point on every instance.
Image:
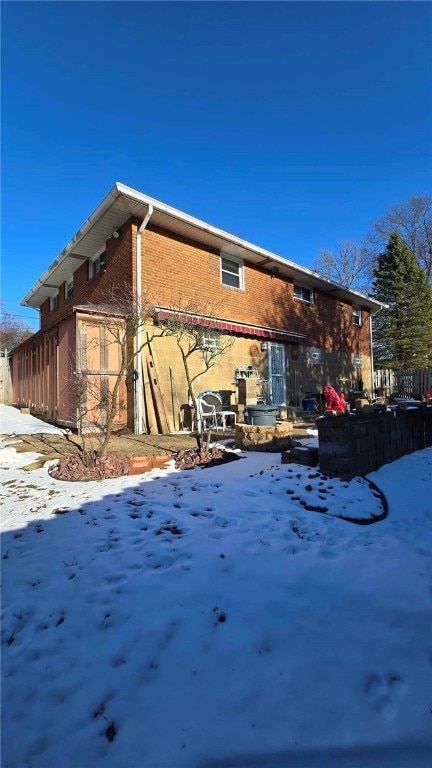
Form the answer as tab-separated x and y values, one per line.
383	692
161	563
328	554
201	515
224	522
115	578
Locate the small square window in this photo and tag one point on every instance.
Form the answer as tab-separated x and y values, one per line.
303	293
53	302
97	265
232	272
316	355
356	315
210	341
69	284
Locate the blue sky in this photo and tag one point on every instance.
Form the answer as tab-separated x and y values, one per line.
292	125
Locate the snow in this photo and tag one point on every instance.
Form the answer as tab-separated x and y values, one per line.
13	422
206	618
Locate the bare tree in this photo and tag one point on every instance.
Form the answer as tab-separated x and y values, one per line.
193	325
412	221
97	395
351	266
13	330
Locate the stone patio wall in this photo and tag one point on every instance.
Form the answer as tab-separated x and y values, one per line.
252	438
357	444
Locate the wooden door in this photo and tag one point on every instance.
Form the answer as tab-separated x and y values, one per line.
100	359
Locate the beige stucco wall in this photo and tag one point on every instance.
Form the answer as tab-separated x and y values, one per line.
302	374
220	376
307	375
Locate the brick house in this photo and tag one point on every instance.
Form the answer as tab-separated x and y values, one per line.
293	330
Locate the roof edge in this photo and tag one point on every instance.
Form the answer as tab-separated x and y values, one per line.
113	194
122	190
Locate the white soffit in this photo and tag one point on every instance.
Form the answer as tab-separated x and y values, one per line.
122	202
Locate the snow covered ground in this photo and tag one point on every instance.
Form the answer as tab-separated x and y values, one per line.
13	422
207	619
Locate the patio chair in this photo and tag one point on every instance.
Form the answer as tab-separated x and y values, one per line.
212	411
206	414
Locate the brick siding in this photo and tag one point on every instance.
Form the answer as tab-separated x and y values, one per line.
91	291
175	268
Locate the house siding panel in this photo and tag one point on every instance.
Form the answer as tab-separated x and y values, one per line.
66	367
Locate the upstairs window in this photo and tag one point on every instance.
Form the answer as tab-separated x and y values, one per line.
356	315
232	272
97	265
69	287
303	293
53	302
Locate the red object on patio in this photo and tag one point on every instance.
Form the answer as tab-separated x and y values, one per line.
334	401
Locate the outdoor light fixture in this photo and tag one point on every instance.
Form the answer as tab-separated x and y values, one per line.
264	346
115	235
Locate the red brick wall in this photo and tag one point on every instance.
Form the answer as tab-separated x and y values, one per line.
174	268
118	270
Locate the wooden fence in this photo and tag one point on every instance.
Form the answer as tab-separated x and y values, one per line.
5	378
414	383
384	378
404	383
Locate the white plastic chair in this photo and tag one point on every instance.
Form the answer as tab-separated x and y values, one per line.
206	414
212	412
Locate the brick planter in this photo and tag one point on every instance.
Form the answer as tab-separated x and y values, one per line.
160	462
141	464
251	438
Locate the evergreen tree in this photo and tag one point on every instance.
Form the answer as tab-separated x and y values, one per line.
403	332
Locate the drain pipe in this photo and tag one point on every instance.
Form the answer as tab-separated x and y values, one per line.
139	384
371	358
371	347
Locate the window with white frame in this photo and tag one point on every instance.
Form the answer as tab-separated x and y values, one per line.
53	302
232	271
304	293
356	314
97	265
210	340
69	284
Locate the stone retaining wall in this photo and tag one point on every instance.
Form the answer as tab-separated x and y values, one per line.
357	444
251	438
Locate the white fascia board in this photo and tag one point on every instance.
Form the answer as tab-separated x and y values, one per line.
241	248
303	272
97	213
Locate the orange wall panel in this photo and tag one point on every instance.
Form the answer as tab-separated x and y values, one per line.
66	369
